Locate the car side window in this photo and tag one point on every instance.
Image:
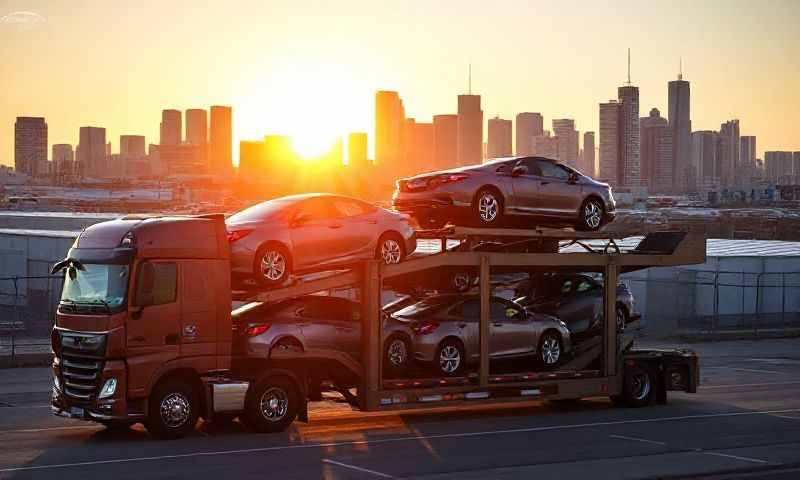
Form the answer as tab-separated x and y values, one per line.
349	208
316	209
553	170
504	312
156	284
584	286
471	310
566	287
532	166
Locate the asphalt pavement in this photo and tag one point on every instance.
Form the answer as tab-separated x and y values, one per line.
743	423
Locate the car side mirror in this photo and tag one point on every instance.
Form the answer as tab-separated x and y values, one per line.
300	219
519	170
573	178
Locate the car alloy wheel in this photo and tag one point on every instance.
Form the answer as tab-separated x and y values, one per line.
592	214
551	351
274	404
488	207
621	320
175	410
391	252
640	385
397	353
449	359
462	282
273	265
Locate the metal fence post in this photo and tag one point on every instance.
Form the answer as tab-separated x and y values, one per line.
715	323
14	323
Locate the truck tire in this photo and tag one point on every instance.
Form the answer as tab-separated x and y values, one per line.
271	405
173	410
638	389
117	426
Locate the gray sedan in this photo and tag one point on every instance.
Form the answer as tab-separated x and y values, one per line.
447	332
528	188
313	232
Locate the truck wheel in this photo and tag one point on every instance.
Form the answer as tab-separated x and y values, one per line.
173	410
639	387
272	405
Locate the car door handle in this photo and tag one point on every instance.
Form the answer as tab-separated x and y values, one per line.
372	222
497	324
544	182
171	339
335	225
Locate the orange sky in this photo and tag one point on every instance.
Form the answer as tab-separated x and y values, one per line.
310	68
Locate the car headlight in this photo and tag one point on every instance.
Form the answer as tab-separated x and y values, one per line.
564	325
56	382
108	388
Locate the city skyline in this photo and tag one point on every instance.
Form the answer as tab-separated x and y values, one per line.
333	72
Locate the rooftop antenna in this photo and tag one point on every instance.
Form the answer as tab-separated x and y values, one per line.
629	67
469	80
680	68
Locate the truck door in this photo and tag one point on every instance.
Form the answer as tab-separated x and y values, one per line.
153	328
198	316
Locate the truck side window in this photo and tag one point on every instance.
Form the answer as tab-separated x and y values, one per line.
157	284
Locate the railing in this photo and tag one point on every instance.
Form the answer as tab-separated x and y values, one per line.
27	313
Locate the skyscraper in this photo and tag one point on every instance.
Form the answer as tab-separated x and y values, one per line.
30	146
221	141
171	132
132	146
445	141
196	126
779	167
704	162
252	160
589	165
545	146
747	156
630	162
389	120
63	159
357	151
610	170
499	144
730	166
418	140
529	125
564	130
656	152
680	122
90	155
470	130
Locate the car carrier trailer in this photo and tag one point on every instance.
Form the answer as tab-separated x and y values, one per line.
166	365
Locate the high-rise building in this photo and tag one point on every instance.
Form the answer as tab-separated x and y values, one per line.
747	156
221	141
30	146
529	125
63	159
132	146
796	167
729	135
564	130
445	141
610	158
470	130
90	155
779	167
499	133
630	164
357	151
680	122
171	131
389	121
196	126
704	162
589	163
545	146
419	148
656	152
252	160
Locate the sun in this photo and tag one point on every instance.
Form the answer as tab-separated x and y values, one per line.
310	145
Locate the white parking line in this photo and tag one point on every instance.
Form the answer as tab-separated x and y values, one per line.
745	459
359	469
635	439
442	436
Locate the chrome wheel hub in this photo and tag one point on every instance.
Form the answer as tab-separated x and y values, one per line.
620	321
551	351
449	359
274	404
175	410
641	386
273	265
390	251
398	353
593	214
488	207
461	282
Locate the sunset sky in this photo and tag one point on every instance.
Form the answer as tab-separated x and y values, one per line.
310	68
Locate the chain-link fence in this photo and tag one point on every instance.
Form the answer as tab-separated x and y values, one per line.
27	313
709	301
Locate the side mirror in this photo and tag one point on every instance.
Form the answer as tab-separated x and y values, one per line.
573	177
299	220
136	312
519	170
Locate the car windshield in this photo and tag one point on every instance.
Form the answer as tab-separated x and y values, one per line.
100	284
425	306
259	211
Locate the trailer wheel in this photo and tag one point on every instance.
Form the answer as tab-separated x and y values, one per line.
272	405
639	387
173	410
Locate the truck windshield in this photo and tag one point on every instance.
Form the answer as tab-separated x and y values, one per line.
97	284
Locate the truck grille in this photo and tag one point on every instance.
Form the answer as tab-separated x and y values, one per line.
81	377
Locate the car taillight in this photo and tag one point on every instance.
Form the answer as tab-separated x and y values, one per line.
426	328
446	178
254	330
236	235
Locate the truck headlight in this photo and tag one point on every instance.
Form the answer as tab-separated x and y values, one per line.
108	388
56	382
